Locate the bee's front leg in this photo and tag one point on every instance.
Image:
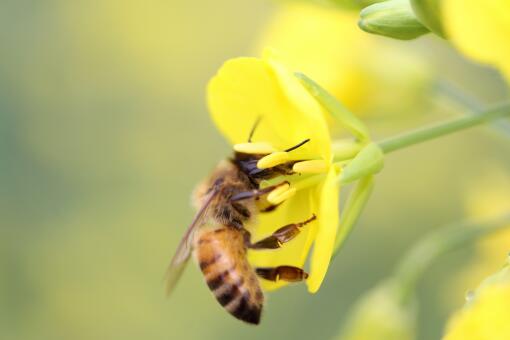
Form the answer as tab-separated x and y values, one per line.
255	193
280	236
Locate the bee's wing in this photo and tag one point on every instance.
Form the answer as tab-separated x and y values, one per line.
182	255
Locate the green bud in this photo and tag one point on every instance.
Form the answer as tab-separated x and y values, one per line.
352	4
379	315
368	161
393	18
429	14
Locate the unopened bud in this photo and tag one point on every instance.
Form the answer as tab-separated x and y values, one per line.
393	18
429	14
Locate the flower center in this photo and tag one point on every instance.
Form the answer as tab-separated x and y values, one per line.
270	157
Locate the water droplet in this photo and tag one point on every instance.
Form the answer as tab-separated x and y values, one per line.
470	295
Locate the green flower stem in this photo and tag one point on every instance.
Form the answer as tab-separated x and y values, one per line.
442	129
463	100
425	252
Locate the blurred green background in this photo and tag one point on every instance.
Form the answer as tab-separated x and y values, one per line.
103	134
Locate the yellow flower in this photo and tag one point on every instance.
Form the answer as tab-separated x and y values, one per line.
487	197
249	89
326	44
480	30
487	315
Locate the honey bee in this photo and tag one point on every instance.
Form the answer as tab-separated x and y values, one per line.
228	203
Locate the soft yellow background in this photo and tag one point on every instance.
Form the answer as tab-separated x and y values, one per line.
103	134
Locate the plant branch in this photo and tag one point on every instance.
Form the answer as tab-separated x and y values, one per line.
442	241
441	129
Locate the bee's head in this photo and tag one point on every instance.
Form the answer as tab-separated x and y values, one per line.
247	163
260	161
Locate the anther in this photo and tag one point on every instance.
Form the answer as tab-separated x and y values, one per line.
273	159
311	167
280	194
278	191
260	148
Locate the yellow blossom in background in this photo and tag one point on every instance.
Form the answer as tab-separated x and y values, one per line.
486	197
487	319
480	30
487	315
248	89
326	44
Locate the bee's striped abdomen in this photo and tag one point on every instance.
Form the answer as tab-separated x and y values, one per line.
222	258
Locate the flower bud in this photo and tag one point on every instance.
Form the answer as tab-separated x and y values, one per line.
429	14
351	4
381	315
393	18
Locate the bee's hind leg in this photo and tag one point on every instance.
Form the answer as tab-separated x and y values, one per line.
285	273
280	236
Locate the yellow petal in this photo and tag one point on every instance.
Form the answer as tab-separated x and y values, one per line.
246	89
296	209
486	318
480	29
326	44
326	234
304	32
310	111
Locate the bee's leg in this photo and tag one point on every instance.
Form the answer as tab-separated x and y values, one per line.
269	208
285	273
255	193
280	236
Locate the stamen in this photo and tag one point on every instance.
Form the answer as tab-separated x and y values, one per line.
273	159
278	191
260	148
280	194
316	166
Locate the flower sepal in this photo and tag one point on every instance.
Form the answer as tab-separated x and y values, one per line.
343	116
369	161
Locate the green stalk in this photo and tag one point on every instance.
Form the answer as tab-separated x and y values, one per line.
425	252
438	130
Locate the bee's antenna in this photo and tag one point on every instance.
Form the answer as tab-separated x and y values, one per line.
254	127
298	145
